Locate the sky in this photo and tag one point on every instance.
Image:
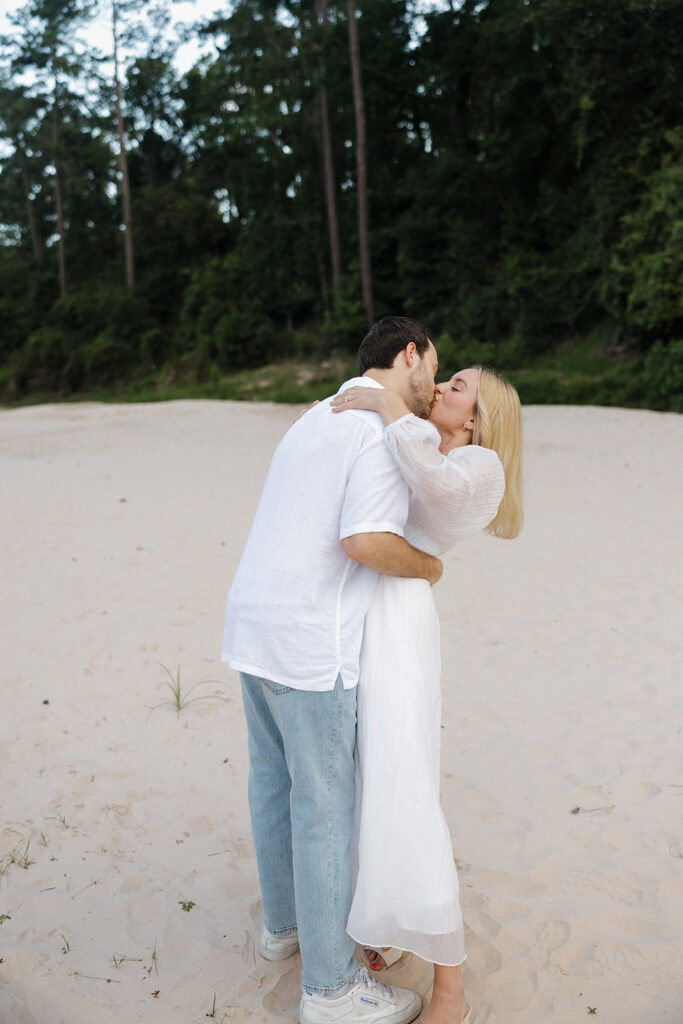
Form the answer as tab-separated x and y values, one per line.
98	33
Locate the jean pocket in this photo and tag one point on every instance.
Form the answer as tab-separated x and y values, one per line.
276	688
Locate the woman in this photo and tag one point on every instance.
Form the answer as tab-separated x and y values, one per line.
464	476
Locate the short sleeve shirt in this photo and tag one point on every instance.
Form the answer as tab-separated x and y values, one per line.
297	606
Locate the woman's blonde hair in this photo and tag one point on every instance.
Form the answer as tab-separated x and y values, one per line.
498	425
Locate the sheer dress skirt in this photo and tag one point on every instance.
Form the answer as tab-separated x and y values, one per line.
406	892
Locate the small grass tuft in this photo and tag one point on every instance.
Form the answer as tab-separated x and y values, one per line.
24	861
153	964
224	1017
118	960
17	856
180	700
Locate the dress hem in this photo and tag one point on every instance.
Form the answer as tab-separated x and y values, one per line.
377	944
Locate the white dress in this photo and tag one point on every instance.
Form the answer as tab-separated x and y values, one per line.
404	876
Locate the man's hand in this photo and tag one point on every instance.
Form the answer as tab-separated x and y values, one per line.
437	569
392	555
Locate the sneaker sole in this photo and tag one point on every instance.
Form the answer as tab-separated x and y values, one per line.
285	955
405	1016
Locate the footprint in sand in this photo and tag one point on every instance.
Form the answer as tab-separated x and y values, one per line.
12	1008
239	1015
83	785
598	885
483	924
641	791
256	914
584	965
641	957
283	998
482	957
506	822
513	988
506	910
481	798
200	827
516	991
136	882
593	793
549	937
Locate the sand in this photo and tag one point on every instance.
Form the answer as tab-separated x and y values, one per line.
137	901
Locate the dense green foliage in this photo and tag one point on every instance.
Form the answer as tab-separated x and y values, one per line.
525	165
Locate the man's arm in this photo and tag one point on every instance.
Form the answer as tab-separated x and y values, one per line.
392	555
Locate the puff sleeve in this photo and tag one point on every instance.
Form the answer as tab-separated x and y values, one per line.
459	493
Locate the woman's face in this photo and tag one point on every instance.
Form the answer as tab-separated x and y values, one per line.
455	401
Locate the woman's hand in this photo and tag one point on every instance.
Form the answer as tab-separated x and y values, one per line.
387	403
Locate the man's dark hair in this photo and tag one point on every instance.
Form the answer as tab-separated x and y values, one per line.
387	338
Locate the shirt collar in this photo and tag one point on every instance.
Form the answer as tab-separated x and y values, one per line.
367	382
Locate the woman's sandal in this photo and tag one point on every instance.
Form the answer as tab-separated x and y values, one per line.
385	956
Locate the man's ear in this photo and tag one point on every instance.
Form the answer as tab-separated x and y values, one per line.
409	353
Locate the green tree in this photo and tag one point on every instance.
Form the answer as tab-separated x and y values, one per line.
647	263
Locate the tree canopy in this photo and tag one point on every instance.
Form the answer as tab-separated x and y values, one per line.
520	162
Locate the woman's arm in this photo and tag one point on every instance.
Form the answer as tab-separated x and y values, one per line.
458	493
387	403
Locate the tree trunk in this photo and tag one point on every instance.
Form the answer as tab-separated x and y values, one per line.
123	161
61	247
30	212
328	168
361	168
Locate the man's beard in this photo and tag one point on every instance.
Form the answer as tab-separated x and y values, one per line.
421	398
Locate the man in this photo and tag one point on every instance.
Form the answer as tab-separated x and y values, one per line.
331	516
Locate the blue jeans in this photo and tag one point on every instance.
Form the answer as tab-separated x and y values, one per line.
301	796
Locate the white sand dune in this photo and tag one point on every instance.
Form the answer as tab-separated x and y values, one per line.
563	724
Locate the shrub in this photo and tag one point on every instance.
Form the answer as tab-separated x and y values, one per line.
345	325
614	386
223	325
49	361
456	355
242	337
663	376
647	266
109	358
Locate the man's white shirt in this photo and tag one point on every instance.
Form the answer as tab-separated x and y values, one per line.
297	606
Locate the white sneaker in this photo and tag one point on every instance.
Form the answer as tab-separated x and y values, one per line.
278	947
367	1001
